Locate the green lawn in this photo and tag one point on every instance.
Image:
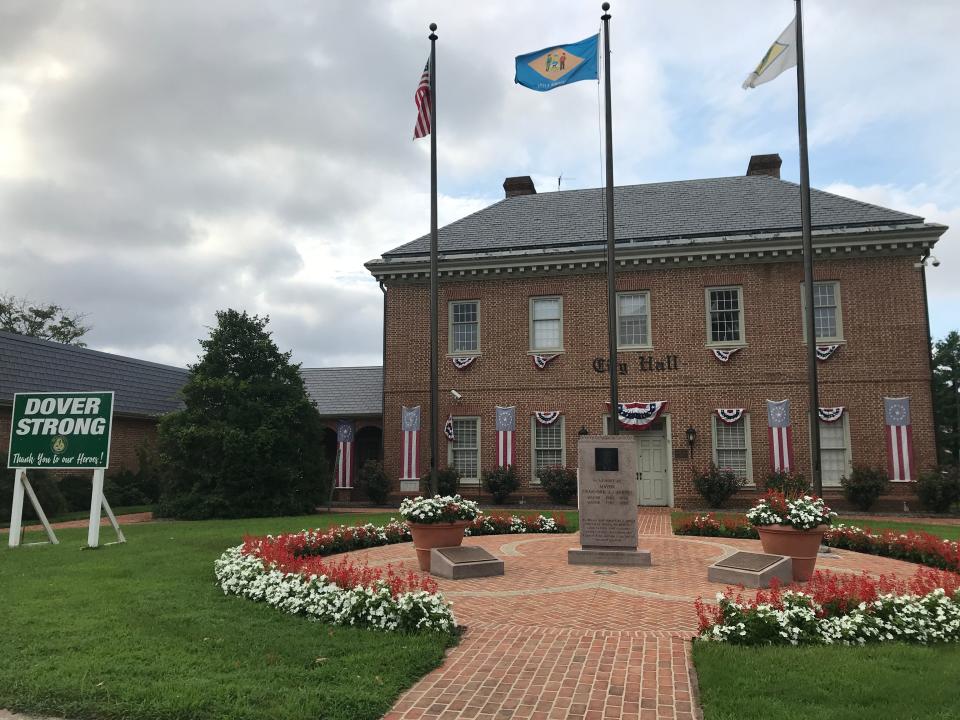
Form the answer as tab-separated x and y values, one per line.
879	682
142	631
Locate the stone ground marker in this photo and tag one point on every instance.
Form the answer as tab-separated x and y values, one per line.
752	570
456	563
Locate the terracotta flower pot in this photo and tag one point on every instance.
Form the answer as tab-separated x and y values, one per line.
801	545
427	536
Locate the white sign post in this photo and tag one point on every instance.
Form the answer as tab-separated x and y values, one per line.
20	483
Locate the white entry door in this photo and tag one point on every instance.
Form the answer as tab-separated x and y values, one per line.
652	466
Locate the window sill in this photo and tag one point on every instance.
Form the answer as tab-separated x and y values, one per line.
826	341
635	348
555	351
725	345
464	354
472	482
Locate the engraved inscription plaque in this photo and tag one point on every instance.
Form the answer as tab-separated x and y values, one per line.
606	459
465	554
608	498
755	562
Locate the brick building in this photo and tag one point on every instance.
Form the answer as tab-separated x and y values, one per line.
702	266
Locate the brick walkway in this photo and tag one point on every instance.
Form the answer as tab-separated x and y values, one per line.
129	519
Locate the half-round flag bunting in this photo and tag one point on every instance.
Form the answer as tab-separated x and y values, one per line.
825	351
540	362
830	414
724	355
729	415
547	418
638	415
461	363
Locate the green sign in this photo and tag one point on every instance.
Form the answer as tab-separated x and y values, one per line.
61	430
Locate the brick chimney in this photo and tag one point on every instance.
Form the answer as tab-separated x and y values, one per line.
522	185
765	165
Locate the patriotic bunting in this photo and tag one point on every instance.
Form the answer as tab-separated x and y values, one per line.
506	426
724	355
345	454
825	351
730	415
547	418
410	421
461	363
448	429
780	435
639	416
830	414
896	414
540	361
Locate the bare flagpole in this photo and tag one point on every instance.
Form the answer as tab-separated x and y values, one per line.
613	427
434	394
814	409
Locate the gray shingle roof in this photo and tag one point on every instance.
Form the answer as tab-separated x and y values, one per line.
345	391
656	211
142	388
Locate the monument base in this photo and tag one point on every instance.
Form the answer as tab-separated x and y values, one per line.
457	563
752	570
607	556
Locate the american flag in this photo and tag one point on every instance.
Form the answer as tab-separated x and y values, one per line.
411	443
780	435
896	415
506	426
422	98
345	454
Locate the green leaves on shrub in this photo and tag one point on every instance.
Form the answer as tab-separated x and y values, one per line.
44	487
864	486
716	485
939	489
501	482
448	482
375	480
791	484
559	482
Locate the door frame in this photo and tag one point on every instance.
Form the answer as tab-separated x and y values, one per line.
668	449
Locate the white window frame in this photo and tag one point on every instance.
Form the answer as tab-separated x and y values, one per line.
742	342
848	450
838	338
747	439
450	449
536	350
534	425
649	330
461	353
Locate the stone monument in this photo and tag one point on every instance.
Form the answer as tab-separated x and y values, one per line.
752	570
607	499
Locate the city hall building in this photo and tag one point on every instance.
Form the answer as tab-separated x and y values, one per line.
710	327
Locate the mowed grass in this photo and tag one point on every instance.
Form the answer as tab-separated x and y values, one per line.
142	631
879	682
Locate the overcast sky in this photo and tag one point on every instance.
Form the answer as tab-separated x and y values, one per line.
162	160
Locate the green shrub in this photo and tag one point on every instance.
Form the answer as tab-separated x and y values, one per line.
559	482
448	481
76	490
501	482
44	487
791	484
122	488
939	489
864	486
716	485
375	480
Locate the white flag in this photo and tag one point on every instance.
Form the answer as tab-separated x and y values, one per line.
781	55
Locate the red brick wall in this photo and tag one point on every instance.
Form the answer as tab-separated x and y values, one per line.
885	354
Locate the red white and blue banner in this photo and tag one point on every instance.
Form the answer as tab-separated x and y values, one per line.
896	415
448	429
724	355
780	435
506	427
462	363
410	422
730	415
547	418
540	362
345	438
637	415
830	414
825	351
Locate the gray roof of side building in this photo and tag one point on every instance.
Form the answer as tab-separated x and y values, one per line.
345	391
141	388
656	211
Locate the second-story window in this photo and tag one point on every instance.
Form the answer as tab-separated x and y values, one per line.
827	317
725	316
465	326
546	324
633	320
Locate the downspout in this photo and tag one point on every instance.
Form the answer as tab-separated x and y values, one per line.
383	375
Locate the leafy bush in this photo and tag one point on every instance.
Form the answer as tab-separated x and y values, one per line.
790	484
716	485
864	486
501	482
559	482
76	490
939	489
448	481
122	488
44	487
375	480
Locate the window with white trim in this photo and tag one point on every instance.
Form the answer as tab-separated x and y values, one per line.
463	453
827	315
835	460
548	446
731	446
725	316
546	324
464	328
633	320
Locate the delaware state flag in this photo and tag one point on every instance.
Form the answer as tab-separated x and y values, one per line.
558	65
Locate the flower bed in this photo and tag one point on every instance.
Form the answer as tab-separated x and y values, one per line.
708	526
802	513
438	509
837	609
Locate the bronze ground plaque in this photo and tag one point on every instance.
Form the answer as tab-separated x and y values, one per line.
755	562
465	554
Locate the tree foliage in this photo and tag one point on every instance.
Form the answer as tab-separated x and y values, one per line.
47	322
249	442
946	397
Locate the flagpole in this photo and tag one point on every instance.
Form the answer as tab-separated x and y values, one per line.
613	427
434	394
814	400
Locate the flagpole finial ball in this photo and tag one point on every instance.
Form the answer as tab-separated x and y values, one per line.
433	27
605	6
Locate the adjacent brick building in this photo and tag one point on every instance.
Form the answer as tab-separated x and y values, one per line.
702	265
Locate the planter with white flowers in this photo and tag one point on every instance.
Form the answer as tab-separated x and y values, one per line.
437	522
792	527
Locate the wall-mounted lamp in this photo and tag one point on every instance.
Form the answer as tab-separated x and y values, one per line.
583	430
691	437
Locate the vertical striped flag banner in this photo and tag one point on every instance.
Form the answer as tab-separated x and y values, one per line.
506	426
410	421
896	415
780	434
421	97
345	451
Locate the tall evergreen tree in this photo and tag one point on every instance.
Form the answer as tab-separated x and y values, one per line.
946	397
249	442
